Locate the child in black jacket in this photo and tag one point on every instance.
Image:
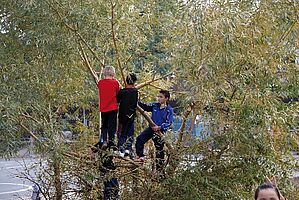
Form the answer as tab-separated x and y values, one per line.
127	99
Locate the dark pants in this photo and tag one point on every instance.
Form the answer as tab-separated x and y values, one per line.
109	121
145	136
126	136
111	189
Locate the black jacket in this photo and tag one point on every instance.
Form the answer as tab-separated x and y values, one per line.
127	99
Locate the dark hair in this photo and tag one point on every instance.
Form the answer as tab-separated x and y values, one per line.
165	93
263	187
131	79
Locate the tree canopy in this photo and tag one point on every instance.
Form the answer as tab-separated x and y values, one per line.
232	62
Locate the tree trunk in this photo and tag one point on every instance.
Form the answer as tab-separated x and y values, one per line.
57	180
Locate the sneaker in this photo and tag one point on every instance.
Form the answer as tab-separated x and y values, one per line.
139	159
112	151
121	154
127	153
104	146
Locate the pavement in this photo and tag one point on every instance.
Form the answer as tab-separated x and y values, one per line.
12	187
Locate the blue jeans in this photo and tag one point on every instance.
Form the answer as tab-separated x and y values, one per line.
126	136
144	137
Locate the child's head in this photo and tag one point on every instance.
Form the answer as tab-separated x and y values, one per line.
163	96
109	71
267	191
131	79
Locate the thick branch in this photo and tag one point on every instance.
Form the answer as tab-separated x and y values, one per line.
148	118
114	43
183	126
192	122
87	64
57	180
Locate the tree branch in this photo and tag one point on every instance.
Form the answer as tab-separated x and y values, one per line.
29	117
190	129
286	33
148	118
114	43
183	126
32	134
152	81
81	38
172	91
87	64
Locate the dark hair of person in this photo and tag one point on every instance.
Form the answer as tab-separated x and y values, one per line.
263	187
165	93
131	79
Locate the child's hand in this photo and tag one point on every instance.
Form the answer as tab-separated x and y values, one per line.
156	128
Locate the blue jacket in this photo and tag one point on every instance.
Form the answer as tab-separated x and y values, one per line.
162	117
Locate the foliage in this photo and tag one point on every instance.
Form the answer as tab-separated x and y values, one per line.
233	61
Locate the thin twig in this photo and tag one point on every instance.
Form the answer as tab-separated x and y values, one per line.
78	34
32	134
30	117
153	80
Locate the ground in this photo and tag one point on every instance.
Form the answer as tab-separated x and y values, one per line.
11	187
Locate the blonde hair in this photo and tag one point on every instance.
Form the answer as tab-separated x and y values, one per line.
109	71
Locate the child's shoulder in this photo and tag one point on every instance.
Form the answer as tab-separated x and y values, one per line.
155	104
169	107
130	89
114	81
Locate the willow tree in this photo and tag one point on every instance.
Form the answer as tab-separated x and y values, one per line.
233	64
52	52
237	61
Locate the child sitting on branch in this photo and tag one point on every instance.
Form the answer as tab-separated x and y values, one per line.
162	116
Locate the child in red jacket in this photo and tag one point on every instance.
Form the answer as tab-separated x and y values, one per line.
108	90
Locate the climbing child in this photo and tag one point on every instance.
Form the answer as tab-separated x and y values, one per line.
108	90
127	99
162	116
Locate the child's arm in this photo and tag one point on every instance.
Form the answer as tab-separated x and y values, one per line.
168	121
146	107
119	96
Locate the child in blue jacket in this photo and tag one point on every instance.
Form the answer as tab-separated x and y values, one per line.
162	115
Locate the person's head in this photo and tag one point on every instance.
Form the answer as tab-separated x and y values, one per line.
267	191
109	71
163	96
131	79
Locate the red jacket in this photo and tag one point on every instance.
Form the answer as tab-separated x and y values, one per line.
108	89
